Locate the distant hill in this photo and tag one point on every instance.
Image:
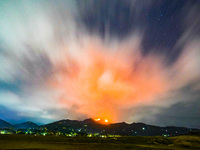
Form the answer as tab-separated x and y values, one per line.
5	124
90	126
134	129
26	125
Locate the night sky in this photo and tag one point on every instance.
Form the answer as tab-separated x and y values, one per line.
123	60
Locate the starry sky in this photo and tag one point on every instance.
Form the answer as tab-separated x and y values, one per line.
123	60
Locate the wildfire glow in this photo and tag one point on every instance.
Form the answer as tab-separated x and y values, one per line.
97	119
102	121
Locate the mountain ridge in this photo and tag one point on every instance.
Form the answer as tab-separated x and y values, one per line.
5	124
90	126
26	125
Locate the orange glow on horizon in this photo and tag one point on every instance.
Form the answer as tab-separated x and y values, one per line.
102	121
97	119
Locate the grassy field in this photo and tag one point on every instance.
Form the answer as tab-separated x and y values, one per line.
86	143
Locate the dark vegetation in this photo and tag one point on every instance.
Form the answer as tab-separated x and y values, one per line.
16	141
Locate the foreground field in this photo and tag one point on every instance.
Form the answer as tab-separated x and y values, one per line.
78	143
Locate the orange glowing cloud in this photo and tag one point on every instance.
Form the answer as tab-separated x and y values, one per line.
101	80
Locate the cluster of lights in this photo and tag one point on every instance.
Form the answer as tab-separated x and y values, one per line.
103	121
98	119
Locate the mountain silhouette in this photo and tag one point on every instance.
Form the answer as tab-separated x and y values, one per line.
5	124
26	125
90	126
